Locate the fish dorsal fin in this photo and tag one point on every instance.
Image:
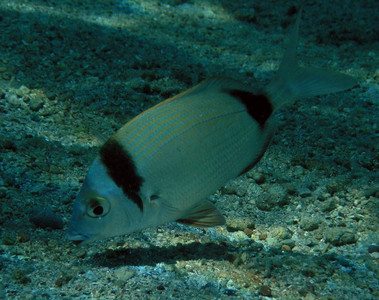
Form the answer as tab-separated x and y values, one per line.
204	214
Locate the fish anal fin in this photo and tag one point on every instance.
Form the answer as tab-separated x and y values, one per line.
204	214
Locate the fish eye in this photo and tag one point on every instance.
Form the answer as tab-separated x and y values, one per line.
98	207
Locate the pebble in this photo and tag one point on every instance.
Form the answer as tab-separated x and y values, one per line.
258	176
286	248
291	188
281	233
91	276
64	278
276	195
333	187
310	296
304	192
309	223
328	205
248	232
13	100
373	248
238	224
340	236
230	292
265	291
45	217
234	190
124	273
23	237
22	91
36	101
288	243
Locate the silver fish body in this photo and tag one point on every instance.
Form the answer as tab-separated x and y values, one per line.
162	165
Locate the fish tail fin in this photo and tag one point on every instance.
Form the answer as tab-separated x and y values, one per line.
293	82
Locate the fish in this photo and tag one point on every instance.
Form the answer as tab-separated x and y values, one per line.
163	165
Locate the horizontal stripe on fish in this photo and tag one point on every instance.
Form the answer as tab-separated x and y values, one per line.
176	115
196	138
167	134
145	120
205	95
205	159
180	114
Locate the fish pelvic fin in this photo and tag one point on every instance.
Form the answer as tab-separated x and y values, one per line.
203	214
293	82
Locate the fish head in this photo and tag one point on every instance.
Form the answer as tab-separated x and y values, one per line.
101	209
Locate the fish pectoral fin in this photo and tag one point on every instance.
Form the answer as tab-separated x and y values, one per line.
204	214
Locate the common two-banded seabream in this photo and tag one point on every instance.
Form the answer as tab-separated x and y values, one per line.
164	164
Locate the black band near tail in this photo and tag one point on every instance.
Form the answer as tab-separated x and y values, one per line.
122	170
258	106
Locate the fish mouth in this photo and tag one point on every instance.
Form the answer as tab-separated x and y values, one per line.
77	238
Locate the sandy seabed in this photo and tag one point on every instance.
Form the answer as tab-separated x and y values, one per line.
303	224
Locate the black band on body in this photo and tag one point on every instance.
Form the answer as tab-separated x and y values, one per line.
258	106
122	170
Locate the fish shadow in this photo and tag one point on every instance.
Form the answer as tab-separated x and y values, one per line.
153	255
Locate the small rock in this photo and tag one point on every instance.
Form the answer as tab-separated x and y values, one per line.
53	169
290	188
44	217
289	243
36	101
265	291
276	195
281	233
229	190
64	278
340	236
304	192
371	191
13	100
238	224
258	176
124	273
333	187
264	203
81	253
308	272
22	91
229	292
90	275
309	223
328	205
310	296
248	232
373	248
23	237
